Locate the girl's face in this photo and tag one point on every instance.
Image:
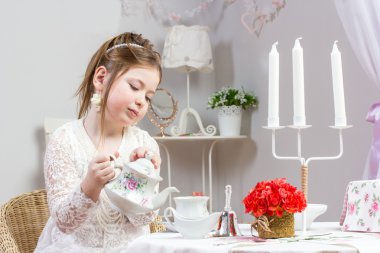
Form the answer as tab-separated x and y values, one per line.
130	95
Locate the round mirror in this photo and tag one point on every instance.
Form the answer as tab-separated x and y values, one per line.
162	109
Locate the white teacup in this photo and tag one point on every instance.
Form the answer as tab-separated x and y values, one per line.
191	207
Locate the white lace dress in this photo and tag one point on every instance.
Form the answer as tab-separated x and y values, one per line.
76	223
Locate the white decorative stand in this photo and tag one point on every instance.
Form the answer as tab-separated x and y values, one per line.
206	148
188	111
304	162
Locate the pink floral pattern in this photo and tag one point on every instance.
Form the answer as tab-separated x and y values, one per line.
375	206
361	208
129	182
366	197
351	208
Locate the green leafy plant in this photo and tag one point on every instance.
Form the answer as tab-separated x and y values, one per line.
228	96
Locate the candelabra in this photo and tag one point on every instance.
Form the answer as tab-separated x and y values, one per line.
305	161
299	119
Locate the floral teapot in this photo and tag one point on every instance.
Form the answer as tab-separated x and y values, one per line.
132	190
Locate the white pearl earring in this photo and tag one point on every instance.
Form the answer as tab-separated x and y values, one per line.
96	100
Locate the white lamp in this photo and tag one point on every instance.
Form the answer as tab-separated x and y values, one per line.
188	49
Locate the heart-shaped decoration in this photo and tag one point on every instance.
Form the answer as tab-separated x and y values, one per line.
252	23
255	16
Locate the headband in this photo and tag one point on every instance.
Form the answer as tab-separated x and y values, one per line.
123	45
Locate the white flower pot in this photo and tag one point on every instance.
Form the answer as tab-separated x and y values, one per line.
229	119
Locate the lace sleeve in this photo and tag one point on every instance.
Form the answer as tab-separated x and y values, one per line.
142	219
68	205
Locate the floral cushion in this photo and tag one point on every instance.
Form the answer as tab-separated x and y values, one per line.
361	206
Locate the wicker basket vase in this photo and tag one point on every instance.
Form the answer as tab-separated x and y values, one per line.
279	226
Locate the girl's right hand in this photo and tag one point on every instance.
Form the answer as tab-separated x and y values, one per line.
99	172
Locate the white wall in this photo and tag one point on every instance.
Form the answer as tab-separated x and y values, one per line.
46	45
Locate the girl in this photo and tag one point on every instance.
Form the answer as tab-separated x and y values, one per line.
119	83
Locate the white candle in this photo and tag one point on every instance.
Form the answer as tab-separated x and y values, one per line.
299	118
337	76
273	91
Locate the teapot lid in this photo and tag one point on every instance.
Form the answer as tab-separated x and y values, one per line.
145	167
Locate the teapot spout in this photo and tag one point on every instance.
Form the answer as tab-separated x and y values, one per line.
160	199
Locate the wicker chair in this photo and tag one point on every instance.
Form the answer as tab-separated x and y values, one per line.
21	222
23	218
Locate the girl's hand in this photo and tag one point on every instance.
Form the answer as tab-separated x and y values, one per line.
99	172
141	152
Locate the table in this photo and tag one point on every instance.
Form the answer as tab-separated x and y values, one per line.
328	239
205	140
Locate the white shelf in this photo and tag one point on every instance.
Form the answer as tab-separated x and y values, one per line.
198	138
213	139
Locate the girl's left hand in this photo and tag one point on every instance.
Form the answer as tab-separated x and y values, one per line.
141	152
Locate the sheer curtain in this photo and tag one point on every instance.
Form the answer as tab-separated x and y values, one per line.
361	22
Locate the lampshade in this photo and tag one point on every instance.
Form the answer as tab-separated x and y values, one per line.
188	48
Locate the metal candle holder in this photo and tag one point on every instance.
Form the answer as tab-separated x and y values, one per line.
305	162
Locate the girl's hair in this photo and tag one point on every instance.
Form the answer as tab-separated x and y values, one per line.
135	52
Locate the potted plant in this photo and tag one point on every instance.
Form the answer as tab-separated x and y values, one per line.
274	203
230	102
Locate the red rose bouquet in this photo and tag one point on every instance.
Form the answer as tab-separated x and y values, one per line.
274	197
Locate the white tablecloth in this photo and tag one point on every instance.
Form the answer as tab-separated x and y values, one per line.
322	237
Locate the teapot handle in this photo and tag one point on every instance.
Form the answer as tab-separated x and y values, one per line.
117	173
115	167
166	215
